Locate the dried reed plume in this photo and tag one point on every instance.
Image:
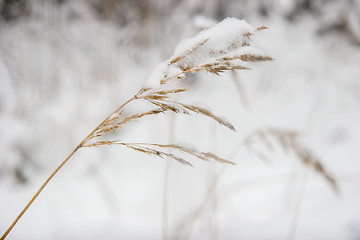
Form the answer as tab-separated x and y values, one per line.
289	142
205	52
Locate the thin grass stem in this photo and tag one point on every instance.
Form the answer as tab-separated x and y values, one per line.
87	138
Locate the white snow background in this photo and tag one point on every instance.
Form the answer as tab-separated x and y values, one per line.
60	77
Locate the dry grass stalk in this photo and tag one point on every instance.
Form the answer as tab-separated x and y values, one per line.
290	142
211	60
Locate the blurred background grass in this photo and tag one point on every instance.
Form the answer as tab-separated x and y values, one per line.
64	65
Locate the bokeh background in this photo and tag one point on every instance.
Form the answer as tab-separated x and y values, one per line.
66	64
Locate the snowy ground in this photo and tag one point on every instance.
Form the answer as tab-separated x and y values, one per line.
59	80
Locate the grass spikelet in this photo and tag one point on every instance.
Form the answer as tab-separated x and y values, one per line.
113	119
100	143
190	151
261	28
169	106
239	68
201	155
120	123
146	151
141	91
179	107
171	91
154	152
137	116
216	158
208	113
254	58
179	159
155	97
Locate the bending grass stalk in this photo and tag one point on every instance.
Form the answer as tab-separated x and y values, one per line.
93	134
110	123
38	192
230	58
59	167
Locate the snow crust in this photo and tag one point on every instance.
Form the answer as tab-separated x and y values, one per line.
225	38
202	22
